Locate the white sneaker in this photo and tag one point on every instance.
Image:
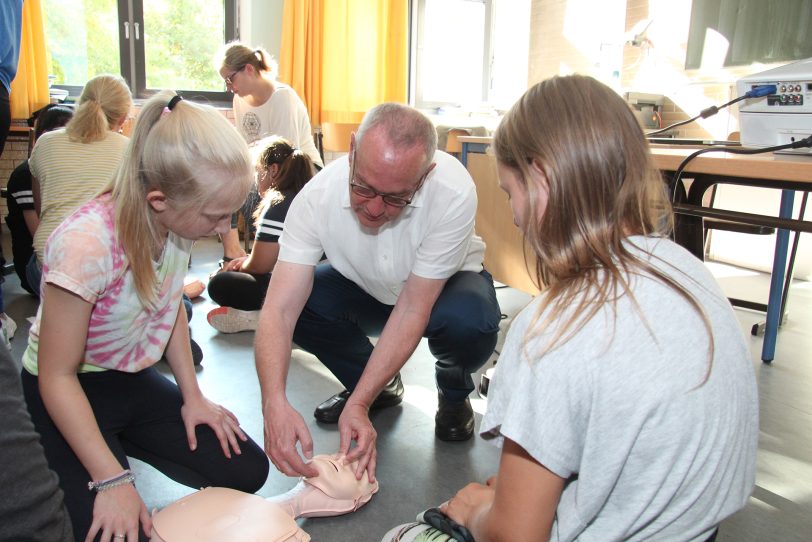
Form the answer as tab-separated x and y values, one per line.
229	320
9	325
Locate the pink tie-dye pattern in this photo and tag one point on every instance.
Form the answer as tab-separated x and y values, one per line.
122	335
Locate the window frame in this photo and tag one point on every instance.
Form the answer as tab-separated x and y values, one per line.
132	57
416	33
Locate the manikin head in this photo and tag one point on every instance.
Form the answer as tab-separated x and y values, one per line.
225	515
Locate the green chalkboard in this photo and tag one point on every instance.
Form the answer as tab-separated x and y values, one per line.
765	31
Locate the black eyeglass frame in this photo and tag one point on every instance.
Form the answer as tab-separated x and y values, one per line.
368	192
230	79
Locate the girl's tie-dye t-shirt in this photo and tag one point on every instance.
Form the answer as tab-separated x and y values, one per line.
84	257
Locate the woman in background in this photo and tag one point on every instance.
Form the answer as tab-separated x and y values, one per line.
262	107
22	218
111	308
240	288
70	166
624	400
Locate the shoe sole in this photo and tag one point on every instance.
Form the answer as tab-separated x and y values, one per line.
228	320
454	435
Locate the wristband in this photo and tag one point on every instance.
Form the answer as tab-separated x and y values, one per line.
124	477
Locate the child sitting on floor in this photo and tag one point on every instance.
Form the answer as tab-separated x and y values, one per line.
111	307
624	400
240	287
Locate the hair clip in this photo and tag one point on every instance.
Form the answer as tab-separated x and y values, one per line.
173	102
171	105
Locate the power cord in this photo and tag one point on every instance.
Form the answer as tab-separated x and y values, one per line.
801	143
755	92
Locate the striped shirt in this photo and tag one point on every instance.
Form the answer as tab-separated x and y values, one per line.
273	218
69	174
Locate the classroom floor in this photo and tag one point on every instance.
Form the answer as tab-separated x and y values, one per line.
417	471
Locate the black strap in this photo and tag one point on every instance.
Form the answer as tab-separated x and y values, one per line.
173	102
443	523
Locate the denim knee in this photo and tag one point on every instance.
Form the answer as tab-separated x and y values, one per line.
33	272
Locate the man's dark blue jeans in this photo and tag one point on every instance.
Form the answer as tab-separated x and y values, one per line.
339	317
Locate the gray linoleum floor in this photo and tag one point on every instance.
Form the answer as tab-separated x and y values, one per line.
417	471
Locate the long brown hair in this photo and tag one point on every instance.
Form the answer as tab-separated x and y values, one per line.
295	169
235	56
602	188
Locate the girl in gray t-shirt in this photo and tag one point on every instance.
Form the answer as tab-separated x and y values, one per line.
624	400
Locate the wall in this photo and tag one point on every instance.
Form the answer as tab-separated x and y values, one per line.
586	36
591	37
261	24
583	36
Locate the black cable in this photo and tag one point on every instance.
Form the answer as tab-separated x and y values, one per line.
806	142
755	92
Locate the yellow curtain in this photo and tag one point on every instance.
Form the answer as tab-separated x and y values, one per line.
345	56
300	52
29	90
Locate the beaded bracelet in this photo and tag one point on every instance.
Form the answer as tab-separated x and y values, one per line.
124	477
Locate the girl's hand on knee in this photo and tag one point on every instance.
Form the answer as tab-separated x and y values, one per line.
222	421
235	264
116	515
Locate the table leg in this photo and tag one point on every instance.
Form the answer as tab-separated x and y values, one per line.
464	153
777	280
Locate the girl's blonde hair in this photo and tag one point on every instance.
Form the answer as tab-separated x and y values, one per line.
295	169
235	56
190	152
602	188
104	102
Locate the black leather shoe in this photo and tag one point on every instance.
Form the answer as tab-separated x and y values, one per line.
454	421
330	410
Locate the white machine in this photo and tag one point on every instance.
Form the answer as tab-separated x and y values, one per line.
779	118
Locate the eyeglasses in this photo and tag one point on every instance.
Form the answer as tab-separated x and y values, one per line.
230	79
366	192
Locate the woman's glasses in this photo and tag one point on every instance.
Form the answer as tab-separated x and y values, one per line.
230	78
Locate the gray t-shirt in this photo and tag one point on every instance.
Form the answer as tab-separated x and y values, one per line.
651	450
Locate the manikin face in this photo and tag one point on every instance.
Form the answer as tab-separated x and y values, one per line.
383	179
510	182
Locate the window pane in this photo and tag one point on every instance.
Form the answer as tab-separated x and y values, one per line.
82	39
181	38
453	48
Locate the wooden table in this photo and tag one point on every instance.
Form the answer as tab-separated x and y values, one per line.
505	254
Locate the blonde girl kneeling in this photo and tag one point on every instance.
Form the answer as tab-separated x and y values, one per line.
111	306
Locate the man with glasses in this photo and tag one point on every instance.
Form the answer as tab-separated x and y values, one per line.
395	220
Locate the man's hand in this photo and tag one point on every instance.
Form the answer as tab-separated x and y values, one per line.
284	427
354	425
